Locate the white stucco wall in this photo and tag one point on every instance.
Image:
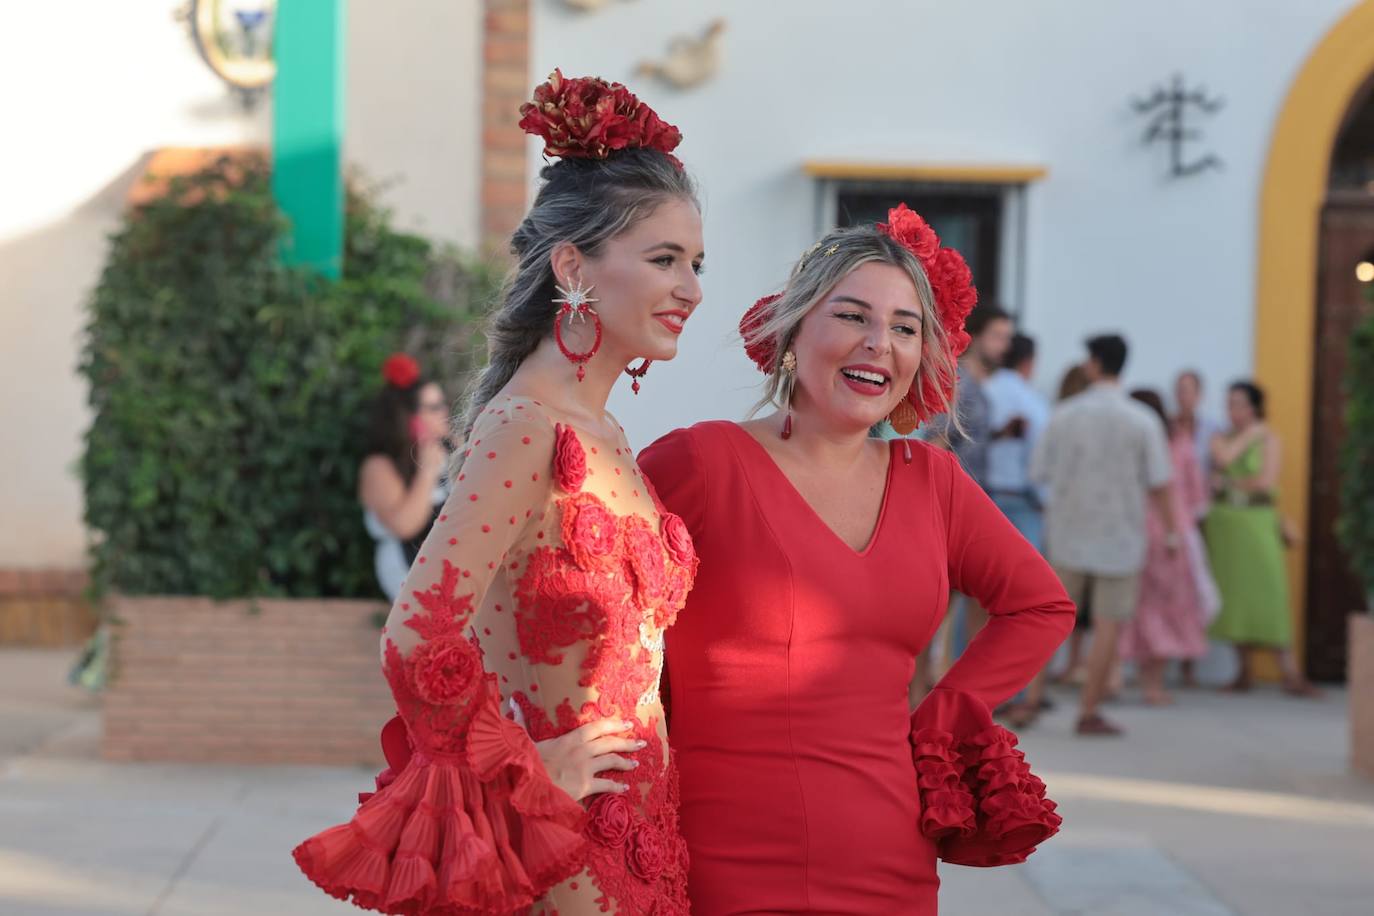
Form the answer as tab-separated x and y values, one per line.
1114	244
413	110
91	88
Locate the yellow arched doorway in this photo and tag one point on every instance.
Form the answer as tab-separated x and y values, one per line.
1291	199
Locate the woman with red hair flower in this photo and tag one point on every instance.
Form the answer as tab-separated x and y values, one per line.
807	785
542	592
401	483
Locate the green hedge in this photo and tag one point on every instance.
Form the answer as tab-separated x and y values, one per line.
1356	525
230	392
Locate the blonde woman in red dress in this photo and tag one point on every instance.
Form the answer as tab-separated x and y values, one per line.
544	589
827	558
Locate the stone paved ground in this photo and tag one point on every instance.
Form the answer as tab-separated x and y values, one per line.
1220	806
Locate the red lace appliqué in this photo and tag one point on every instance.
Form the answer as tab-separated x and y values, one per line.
435	686
591	532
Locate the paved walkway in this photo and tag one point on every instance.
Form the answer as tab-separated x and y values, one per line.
1221	806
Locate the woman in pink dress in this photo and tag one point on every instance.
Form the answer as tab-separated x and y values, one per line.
1176	593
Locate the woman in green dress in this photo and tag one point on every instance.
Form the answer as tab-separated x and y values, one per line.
1245	544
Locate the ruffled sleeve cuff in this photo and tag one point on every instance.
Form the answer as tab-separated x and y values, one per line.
980	803
481	831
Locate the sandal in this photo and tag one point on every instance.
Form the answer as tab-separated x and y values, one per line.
1098	726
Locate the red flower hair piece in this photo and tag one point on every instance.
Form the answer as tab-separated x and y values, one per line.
400	370
763	351
955	296
589	118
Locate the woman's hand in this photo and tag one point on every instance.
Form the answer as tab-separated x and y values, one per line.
431	457
574	759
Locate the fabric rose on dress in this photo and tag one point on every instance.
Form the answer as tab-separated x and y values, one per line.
609	819
569	459
590	531
444	670
645	551
679	542
588	118
646	854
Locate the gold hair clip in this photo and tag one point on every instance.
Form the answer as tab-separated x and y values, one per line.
832	249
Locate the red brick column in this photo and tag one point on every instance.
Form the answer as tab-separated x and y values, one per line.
506	83
287	682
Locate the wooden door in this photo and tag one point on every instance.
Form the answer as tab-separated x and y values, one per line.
1347	238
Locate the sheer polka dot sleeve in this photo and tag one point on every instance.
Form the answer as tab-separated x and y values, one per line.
468	821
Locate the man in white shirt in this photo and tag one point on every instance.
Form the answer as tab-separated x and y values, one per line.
1101	456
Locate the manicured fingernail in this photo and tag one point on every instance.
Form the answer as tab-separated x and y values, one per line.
641	743
634	763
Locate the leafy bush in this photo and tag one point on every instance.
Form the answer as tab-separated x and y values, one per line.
230	392
1356	525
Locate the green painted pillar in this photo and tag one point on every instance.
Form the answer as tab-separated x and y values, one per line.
307	130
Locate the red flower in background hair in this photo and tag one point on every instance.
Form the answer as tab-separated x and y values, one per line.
400	370
588	118
763	351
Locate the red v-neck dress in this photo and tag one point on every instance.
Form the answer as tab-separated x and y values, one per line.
807	786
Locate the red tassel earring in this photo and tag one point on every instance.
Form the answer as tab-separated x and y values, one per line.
576	305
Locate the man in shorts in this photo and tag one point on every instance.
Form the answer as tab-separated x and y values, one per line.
1100	458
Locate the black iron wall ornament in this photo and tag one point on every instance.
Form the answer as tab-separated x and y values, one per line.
1169	108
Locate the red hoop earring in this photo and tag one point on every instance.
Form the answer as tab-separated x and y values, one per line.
638	373
576	306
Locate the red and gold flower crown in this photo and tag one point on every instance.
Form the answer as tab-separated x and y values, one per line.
955	296
589	118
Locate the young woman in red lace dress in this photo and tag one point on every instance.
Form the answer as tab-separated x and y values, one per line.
525	648
826	560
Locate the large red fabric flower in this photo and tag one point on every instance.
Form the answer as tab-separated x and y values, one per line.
679	541
588	118
645	551
569	459
906	227
444	670
646	855
951	281
762	350
609	819
590	531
